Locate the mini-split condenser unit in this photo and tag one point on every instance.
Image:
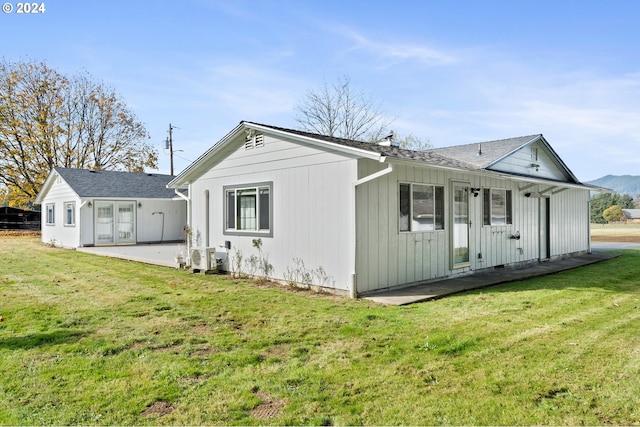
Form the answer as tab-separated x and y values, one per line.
204	259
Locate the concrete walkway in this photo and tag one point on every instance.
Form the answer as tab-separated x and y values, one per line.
157	254
442	288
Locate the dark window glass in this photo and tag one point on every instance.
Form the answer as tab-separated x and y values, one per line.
264	209
231	209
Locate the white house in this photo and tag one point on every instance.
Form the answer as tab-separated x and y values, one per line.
83	207
374	217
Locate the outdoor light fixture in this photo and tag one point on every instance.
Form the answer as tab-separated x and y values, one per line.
139	204
536	166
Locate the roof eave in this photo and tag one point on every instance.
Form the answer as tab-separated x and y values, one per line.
503	175
202	164
359	152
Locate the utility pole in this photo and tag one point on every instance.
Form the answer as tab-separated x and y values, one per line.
169	145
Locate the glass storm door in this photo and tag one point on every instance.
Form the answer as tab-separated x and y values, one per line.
104	223
460	229
115	223
126	222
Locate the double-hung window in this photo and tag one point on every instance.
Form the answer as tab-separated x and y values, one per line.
69	214
248	209
421	207
497	207
51	214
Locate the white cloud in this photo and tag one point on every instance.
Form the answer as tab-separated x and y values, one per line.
394	52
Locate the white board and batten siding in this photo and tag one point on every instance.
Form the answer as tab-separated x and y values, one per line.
157	220
534	160
312	212
388	258
58	233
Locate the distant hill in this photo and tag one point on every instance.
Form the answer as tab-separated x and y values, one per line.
621	184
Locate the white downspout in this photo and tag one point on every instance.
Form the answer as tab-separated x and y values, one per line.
188	199
354	288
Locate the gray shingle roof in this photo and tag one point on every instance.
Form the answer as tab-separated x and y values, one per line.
631	213
464	157
491	150
111	184
429	156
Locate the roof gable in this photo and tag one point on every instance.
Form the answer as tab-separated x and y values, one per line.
530	156
349	148
483	154
508	156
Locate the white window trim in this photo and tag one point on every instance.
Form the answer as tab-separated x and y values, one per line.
51	206
253	186
434	186
73	208
509	209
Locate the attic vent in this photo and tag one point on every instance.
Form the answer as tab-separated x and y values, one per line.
254	141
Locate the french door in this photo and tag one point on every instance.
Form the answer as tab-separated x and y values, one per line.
115	223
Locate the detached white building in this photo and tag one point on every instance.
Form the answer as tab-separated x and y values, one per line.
376	217
83	207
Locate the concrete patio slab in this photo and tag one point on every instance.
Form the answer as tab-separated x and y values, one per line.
156	254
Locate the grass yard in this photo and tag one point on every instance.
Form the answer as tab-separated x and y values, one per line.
96	341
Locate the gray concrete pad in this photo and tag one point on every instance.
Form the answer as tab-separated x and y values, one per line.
613	246
439	289
156	254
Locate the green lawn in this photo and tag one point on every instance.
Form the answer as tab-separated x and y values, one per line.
95	341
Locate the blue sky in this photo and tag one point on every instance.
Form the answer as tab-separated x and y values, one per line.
454	72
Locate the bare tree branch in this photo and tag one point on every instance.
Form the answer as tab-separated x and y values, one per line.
337	110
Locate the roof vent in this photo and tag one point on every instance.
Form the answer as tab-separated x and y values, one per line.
479	149
388	140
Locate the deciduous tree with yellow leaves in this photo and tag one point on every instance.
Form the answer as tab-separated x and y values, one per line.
48	119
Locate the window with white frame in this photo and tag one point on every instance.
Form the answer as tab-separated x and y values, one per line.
497	207
69	214
248	209
421	207
51	213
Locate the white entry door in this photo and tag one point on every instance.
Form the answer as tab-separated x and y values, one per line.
115	223
460	225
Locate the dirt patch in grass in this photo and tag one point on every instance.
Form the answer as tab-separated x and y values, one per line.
627	239
19	233
275	352
269	408
158	408
204	352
